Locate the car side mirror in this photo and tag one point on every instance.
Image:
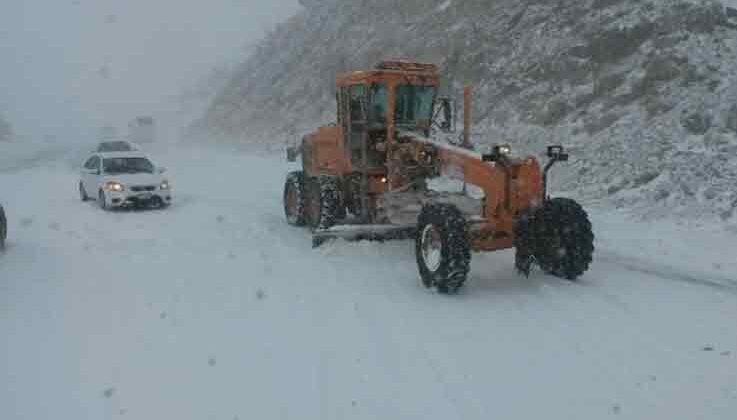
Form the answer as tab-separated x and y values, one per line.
162	170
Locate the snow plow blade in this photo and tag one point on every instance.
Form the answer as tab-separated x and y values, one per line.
363	233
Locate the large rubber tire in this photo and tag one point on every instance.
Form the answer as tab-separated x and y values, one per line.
82	193
442	248
3	228
562	241
158	203
294	198
101	200
325	201
523	243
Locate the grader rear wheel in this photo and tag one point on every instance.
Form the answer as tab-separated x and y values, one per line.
294	198
324	202
442	248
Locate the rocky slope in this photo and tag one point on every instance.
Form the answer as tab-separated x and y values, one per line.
644	93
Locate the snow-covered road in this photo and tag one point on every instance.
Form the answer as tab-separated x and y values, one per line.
216	309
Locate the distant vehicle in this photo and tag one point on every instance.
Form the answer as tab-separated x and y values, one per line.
3	228
142	130
124	179
115	146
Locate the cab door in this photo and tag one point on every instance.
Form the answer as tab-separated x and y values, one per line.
356	131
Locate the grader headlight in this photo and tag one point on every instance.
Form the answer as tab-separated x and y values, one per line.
498	152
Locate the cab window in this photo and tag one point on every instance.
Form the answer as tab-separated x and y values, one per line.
414	104
378	105
358	103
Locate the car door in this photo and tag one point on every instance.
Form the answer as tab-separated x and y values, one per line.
96	176
89	175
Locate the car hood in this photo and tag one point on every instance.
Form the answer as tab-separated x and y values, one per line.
136	179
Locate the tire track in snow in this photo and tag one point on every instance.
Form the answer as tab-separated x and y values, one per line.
666	272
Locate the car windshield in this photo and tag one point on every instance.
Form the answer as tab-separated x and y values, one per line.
127	165
114	146
414	104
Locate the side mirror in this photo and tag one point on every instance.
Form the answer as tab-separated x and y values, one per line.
292	153
557	153
445	115
162	170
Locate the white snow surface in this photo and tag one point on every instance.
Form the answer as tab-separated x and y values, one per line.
217	309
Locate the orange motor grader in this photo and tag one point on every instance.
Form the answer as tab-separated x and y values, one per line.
378	173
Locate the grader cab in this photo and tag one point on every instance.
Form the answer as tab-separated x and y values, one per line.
380	173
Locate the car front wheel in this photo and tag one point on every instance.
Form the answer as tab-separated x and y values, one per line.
101	201
82	193
3	228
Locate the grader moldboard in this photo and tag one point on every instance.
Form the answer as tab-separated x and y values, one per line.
371	176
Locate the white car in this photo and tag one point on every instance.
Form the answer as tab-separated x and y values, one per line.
124	179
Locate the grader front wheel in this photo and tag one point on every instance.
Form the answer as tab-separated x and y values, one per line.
442	248
559	238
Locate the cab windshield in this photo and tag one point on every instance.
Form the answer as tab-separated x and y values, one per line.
378	104
414	104
136	165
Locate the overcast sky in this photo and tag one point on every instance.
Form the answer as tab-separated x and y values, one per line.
69	66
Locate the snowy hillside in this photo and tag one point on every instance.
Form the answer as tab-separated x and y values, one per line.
217	309
643	92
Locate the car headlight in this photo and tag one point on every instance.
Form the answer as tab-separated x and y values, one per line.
165	185
114	186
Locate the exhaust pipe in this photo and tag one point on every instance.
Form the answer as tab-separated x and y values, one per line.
467	99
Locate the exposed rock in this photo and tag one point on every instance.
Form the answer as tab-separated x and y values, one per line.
697	123
731	119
